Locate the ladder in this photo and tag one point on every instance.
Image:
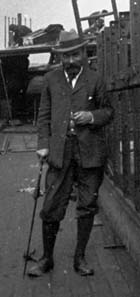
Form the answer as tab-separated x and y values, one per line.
93	17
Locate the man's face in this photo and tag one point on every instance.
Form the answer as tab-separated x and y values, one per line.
73	60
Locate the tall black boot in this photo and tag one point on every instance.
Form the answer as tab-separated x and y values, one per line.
84	227
46	263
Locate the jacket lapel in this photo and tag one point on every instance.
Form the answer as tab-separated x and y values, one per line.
81	82
62	82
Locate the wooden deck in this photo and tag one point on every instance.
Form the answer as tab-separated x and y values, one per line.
18	139
115	272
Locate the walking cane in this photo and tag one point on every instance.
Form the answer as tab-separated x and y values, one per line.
36	195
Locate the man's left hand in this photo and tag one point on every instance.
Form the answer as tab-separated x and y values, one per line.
83	117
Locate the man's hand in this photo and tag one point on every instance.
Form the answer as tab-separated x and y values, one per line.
83	117
42	154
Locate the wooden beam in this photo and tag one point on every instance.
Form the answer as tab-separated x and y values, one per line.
77	18
25	50
96	16
135	31
115	11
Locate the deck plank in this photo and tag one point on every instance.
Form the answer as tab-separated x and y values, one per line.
115	272
126	264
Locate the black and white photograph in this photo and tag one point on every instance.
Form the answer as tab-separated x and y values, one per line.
70	148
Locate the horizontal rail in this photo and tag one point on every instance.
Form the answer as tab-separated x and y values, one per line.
25	50
96	16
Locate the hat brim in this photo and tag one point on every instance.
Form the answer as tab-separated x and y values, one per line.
58	49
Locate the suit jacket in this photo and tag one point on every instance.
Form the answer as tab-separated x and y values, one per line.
57	100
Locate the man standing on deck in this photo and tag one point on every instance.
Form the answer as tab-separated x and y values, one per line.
73	112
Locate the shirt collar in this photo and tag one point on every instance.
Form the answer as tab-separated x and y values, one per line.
76	77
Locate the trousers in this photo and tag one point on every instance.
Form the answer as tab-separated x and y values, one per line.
59	182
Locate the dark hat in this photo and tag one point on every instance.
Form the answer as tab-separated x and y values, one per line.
69	41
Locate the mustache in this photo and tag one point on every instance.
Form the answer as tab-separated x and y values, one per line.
73	68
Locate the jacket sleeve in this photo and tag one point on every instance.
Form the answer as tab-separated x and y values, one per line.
44	117
103	112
